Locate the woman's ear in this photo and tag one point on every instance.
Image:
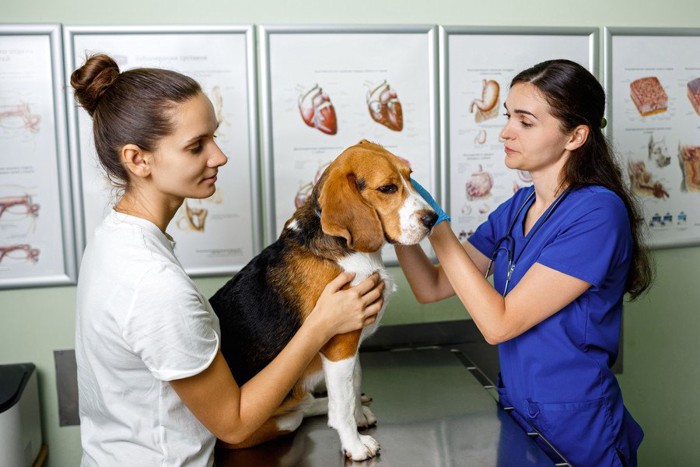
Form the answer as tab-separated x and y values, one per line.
136	160
578	137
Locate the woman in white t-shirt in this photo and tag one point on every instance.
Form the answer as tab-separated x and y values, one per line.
154	388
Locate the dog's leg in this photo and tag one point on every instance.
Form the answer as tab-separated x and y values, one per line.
342	400
319	406
313	380
364	417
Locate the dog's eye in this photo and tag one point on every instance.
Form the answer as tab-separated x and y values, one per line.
388	189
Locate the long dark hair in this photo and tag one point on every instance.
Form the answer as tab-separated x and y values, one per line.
130	107
575	97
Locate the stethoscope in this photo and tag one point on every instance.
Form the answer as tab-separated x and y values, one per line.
510	241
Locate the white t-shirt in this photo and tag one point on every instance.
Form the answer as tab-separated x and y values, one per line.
141	322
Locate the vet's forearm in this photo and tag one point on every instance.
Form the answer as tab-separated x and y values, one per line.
484	304
427	280
420	272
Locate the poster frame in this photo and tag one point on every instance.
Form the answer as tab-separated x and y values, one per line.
591	34
269	60
201	33
65	232
655	238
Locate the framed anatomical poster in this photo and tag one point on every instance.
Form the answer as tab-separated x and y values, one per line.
476	69
653	85
325	88
217	235
36	224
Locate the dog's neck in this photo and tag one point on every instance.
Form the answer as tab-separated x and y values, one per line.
304	228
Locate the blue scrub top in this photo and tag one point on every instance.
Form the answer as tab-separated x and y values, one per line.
557	375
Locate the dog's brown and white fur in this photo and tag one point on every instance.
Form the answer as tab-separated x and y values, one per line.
363	199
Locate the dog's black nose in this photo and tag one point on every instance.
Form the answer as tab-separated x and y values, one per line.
428	219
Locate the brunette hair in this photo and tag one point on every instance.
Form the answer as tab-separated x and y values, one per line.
130	107
575	97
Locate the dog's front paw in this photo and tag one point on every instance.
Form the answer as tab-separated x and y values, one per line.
365	418
363	448
371	462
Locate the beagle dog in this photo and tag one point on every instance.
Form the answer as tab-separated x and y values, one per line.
363	199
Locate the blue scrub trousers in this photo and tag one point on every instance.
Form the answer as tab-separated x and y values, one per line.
588	434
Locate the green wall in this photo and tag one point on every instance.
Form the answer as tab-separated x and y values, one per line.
661	371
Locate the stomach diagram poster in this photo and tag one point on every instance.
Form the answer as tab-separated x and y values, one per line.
220	234
36	241
328	88
653	80
477	67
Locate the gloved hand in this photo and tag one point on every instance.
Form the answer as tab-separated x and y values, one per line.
442	215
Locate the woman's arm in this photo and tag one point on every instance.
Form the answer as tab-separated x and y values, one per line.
233	413
539	294
429	282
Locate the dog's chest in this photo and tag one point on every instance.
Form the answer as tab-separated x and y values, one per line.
364	265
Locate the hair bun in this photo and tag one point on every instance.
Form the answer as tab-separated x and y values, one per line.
92	80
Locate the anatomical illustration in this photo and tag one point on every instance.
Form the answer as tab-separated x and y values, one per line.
648	96
18	212
681	218
16	207
658	152
479	185
694	94
657	220
18	117
463	235
689	158
305	190
487	106
303	193
317	110
524	175
20	252
524	179
480	137
384	106
642	181
217	99
192	215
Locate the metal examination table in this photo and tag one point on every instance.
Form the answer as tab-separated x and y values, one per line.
433	396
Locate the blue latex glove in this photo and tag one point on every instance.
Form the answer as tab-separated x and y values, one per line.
442	215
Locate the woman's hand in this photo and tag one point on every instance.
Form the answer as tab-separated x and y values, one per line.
442	215
339	310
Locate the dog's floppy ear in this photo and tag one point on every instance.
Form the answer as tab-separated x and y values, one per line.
345	214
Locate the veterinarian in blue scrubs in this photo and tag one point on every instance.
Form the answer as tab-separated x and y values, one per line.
563	252
154	388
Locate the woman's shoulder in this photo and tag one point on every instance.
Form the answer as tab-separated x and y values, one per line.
594	197
127	243
599	205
